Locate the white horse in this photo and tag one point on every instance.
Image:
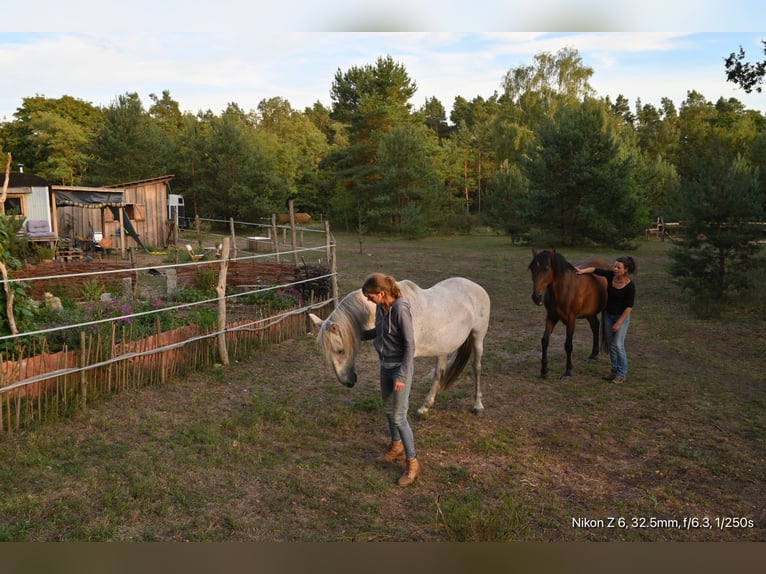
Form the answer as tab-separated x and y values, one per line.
450	321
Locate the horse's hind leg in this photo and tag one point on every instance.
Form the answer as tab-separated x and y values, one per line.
568	348
438	377
478	351
594	329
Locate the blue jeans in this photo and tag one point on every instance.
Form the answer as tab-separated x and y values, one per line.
396	404
616	340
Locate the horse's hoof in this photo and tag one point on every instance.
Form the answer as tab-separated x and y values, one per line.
422	413
477	411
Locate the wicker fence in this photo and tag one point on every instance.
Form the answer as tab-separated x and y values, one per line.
40	385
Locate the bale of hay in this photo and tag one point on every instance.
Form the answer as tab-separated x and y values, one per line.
300	218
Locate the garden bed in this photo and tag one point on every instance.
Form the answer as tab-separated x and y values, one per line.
101	337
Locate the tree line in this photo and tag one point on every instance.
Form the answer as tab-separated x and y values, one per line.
543	159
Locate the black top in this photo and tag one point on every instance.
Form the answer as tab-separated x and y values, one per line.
617	299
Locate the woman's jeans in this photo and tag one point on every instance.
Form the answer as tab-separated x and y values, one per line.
395	405
616	340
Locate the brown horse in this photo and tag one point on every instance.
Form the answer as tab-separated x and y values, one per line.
567	297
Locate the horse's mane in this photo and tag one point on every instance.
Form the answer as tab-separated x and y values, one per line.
350	316
555	259
560	264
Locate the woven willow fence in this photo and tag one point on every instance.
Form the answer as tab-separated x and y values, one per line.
115	357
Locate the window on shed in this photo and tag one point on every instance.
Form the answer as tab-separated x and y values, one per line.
136	211
139	212
14	205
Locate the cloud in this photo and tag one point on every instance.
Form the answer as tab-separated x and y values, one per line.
235	16
207	71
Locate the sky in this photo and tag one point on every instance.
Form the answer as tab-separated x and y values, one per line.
225	52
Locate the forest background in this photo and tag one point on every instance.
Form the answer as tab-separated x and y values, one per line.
545	160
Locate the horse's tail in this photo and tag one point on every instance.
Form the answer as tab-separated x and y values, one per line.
458	362
604	343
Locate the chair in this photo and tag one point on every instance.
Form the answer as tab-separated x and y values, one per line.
39	230
96	238
106	245
192	255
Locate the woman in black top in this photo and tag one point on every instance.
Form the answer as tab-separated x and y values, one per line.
621	295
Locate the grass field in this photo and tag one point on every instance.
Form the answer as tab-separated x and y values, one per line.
274	449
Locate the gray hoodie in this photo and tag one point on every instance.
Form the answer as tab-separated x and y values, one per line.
394	337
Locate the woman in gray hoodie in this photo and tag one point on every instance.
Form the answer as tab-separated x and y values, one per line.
395	342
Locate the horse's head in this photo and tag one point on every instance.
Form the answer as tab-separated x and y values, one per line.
542	274
339	336
339	349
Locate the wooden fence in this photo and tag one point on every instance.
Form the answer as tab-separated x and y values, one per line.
47	385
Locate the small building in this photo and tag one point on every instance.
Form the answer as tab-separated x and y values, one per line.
146	204
28	197
132	214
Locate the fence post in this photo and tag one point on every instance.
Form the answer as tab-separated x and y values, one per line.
334	278
83	364
163	355
327	241
221	291
233	236
291	206
176	223
275	237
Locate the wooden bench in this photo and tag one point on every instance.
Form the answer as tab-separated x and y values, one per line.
660	229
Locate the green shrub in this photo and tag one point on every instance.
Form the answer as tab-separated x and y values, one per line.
91	290
274	300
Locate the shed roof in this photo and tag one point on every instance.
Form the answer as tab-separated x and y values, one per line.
140	182
21	179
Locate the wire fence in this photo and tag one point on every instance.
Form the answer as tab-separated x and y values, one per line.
104	355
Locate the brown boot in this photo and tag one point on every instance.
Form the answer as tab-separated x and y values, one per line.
395	452
411	470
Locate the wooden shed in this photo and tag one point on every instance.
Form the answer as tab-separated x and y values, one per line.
142	206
